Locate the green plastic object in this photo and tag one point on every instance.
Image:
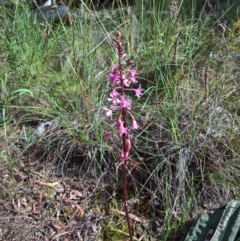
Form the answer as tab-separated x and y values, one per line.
222	224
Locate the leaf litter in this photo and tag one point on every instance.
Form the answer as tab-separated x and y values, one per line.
43	208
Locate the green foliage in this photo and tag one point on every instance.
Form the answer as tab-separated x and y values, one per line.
115	231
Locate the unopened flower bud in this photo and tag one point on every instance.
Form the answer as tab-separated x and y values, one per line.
118	34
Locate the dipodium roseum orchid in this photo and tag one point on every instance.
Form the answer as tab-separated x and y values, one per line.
121	78
138	91
114	97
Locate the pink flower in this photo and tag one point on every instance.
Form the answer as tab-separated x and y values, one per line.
125	103
121	77
126	149
133	72
130	62
122	54
126	82
138	91
124	79
131	77
134	124
114	97
107	134
113	75
121	128
124	155
108	112
133	80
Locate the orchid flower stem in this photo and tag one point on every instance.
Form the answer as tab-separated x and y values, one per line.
122	76
125	199
123	112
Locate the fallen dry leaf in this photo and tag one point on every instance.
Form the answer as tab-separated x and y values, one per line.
80	210
20	174
24	201
5	177
60	234
16	204
22	164
132	216
79	236
75	194
59	188
63	231
46	238
58	225
40	198
68	200
39	174
49	184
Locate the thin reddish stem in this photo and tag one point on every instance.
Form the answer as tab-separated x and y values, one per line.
124	136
